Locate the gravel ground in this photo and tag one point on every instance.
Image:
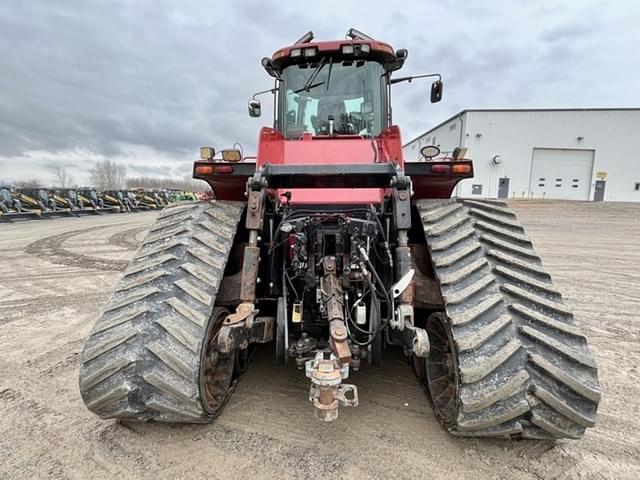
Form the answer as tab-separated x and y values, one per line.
56	275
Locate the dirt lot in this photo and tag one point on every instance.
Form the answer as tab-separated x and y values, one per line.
57	274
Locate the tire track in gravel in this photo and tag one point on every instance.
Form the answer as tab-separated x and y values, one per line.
127	238
51	249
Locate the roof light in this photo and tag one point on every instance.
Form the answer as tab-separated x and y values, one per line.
306	38
365	48
347	49
295	52
310	52
207	153
430	151
231	155
440	168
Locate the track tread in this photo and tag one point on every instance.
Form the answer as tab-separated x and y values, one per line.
546	320
483	366
503	232
482	334
153	250
142	358
456	256
512	261
526	370
450	241
138	266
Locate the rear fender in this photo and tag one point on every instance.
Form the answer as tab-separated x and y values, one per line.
427	184
228	180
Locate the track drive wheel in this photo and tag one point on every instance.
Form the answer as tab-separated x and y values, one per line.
377	342
442	370
216	371
282	355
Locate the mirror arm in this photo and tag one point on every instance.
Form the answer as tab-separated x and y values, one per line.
410	79
271	90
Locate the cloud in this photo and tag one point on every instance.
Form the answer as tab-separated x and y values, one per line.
569	31
147	82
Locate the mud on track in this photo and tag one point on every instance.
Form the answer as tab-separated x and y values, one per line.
268	429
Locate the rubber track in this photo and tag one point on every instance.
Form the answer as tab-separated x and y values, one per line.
525	368
142	358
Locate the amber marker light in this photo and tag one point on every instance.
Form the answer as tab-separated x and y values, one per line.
462	168
204	170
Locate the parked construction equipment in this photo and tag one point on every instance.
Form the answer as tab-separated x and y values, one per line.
46	204
334	248
37	203
114	198
70	198
14	206
89	196
145	199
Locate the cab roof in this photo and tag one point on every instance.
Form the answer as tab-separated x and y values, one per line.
310	52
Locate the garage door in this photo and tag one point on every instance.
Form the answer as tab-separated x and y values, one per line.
562	174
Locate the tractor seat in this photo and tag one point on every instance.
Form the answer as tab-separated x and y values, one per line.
327	108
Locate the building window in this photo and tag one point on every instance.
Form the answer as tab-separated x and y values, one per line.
637	187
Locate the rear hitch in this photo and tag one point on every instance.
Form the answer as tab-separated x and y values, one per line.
414	340
327	391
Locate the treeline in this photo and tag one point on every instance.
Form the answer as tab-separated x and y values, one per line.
108	175
187	184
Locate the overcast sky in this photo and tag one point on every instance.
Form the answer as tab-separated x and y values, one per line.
146	82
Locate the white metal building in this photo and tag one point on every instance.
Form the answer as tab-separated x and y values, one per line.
576	154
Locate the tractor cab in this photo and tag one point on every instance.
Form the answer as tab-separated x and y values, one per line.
352	105
332	134
336	88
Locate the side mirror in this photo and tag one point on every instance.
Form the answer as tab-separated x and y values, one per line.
255	110
436	91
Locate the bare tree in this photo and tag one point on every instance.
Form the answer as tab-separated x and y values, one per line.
64	179
108	175
185	184
33	183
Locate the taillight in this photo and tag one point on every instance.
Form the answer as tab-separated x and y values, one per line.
461	168
440	168
211	169
204	169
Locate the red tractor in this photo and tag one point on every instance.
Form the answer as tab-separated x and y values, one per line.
333	249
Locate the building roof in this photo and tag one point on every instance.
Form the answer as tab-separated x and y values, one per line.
462	112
